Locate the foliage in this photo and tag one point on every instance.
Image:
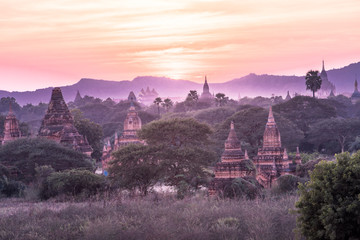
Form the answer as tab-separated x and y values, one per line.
178	132
287	184
11	188
167	104
6	102
313	81
241	188
221	100
92	131
304	111
339	130
152	218
213	116
72	183
177	152
135	167
158	102
329	205
24	155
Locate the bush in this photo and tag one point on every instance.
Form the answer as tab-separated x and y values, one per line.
247	188
11	188
287	184
72	183
329	204
24	155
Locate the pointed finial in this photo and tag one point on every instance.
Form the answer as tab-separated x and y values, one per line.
271	116
205	79
323	67
232	125
246	155
10	108
297	152
356	83
286	157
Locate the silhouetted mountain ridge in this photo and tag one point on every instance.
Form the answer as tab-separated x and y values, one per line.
249	85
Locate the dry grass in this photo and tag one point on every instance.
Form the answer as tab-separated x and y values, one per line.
154	217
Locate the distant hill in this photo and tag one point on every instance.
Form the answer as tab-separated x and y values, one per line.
250	85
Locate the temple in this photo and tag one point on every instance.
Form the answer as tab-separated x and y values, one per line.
206	95
11	127
78	99
58	125
326	85
132	97
147	97
355	97
132	124
272	160
234	163
288	97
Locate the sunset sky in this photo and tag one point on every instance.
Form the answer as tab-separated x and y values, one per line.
54	43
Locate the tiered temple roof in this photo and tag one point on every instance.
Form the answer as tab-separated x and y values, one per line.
272	159
132	124
58	125
234	163
11	127
206	95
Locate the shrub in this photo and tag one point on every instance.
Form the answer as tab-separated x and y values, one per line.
11	188
24	155
72	183
329	204
247	188
287	184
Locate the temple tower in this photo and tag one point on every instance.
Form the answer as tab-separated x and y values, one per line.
288	97
58	125
272	159
234	163
326	85
78	99
206	95
11	127
355	97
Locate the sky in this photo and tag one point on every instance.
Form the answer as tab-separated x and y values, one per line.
55	43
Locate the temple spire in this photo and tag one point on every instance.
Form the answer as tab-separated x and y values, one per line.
286	156
323	65
297	152
271	120
356	84
246	155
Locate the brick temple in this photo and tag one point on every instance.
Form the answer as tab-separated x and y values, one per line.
132	124
234	163
11	127
272	160
58	125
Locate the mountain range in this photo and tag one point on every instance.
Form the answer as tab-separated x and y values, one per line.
250	85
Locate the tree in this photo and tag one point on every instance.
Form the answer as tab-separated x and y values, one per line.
339	130
313	81
220	99
92	131
191	99
135	167
329	204
176	153
23	155
157	102
167	104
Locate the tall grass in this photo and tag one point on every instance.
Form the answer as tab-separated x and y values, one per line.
153	217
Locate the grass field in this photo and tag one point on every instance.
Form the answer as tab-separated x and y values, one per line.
153	217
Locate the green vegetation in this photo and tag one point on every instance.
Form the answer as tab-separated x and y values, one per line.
329	204
155	217
313	81
176	154
22	156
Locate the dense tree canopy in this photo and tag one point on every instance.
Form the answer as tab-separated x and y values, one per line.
22	156
329	204
177	153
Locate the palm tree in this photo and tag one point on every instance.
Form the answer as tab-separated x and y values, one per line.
158	101
313	81
220	99
167	104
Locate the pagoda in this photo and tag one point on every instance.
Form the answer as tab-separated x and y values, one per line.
272	160
78	99
58	125
234	163
288	97
147	96
11	127
132	124
206	96
355	97
326	85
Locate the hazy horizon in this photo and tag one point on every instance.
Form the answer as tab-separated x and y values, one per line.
59	42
